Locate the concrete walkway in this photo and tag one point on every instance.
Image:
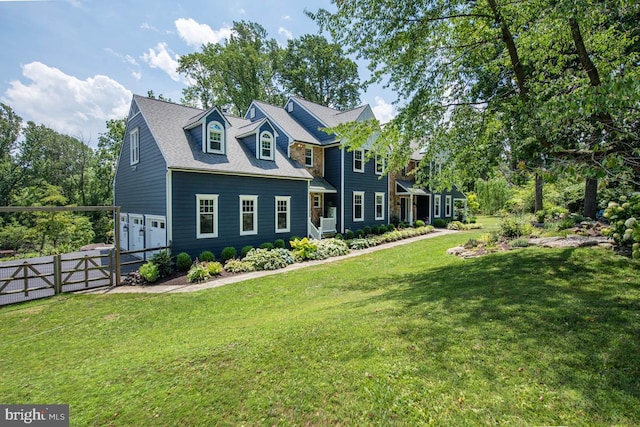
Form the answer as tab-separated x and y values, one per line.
221	281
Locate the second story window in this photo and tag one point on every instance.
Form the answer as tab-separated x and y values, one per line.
308	157
358	160
379	165
266	146
215	138
134	147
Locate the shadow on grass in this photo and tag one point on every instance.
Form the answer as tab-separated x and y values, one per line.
582	315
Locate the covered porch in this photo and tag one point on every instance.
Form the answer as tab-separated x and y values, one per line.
323	211
412	203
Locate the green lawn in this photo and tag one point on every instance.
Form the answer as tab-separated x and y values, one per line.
405	336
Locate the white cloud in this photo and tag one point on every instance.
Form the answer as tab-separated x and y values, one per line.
383	110
196	34
163	58
284	32
124	58
67	104
242	12
136	75
286	18
146	26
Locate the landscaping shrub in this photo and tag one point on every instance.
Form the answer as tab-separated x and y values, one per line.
367	231
163	261
418	223
265	259
338	236
519	243
266	245
228	253
455	225
349	235
183	261
303	249
245	250
206	256
360	233
197	273
279	244
375	230
213	268
237	266
286	255
150	272
624	223
510	228
328	248
360	244
439	223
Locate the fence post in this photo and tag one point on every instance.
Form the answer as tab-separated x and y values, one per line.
25	273
57	274
86	271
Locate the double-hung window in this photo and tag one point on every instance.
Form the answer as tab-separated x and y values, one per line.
248	215
379	165
215	138
207	215
283	216
380	206
358	160
308	157
358	202
447	206
266	146
437	199
134	146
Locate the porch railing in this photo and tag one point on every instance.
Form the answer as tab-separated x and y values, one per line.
327	225
313	231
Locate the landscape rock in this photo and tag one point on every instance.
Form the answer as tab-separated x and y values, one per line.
571	241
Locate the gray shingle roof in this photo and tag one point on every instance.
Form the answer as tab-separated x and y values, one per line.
166	122
287	123
330	116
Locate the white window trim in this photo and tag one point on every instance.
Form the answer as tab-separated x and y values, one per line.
254	199
317	197
271	148
379	161
134	146
288	200
305	157
222	138
361	194
447	206
437	204
375	205
361	151
213	197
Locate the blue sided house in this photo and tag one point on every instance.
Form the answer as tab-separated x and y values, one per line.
204	180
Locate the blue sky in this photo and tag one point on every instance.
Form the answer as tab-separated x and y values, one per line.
73	64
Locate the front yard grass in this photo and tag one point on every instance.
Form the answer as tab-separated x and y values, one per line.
403	336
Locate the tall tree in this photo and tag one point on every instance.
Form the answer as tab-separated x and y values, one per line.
320	72
235	72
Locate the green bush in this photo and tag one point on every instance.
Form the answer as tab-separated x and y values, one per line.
266	245
150	272
510	228
245	250
265	259
456	225
164	263
328	248
624	223
197	273
418	223
228	253
237	266
519	243
360	233
213	268
183	261
303	249
349	235
279	244
338	236
206	256
367	231
361	243
375	230
439	223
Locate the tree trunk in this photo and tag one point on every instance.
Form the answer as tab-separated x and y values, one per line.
591	198
538	201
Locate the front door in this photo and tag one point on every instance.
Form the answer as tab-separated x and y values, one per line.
136	234
156	233
124	232
404	209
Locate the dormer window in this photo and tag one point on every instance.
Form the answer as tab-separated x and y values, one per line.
266	146
215	138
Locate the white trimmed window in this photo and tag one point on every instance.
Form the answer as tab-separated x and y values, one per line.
358	202
358	160
379	165
248	215
447	206
317	201
215	138
207	216
380	206
308	157
266	145
134	146
283	215
437	199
